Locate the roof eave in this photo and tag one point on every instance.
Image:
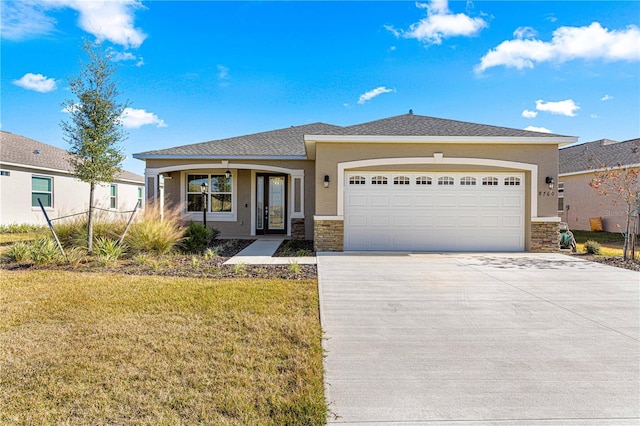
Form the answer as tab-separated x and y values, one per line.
143	156
551	140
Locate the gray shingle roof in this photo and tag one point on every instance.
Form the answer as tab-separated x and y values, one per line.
25	151
278	143
420	125
290	141
593	155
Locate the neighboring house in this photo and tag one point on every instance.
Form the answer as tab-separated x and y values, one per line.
408	182
31	170
578	201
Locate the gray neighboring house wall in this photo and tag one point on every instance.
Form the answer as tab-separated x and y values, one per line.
404	183
30	170
578	201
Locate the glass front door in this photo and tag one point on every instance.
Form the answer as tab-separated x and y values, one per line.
271	204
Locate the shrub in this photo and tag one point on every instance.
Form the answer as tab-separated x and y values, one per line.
150	234
75	255
19	252
211	253
592	247
107	250
45	250
196	238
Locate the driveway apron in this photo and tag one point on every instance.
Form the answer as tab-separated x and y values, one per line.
479	339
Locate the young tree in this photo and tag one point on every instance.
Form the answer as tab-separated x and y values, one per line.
623	184
95	129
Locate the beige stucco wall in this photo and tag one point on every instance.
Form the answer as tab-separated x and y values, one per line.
328	155
70	196
241	226
582	202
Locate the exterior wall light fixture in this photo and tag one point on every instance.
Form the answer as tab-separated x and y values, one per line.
549	181
326	181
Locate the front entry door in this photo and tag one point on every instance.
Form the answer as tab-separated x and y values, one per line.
271	204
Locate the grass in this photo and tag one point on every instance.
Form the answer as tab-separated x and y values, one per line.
611	243
14	238
114	349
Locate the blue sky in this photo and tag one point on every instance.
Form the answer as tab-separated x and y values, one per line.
204	70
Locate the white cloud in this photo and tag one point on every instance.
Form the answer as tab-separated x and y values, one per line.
36	82
524	33
568	43
440	23
135	118
111	20
24	19
537	129
567	107
116	56
594	116
606	98
529	114
373	93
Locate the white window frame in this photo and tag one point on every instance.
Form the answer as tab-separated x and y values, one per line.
50	178
196	216
561	197
113	196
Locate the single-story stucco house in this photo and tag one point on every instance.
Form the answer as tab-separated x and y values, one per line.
32	170
407	182
578	201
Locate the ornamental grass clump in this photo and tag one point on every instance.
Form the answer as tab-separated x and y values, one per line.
592	247
45	251
108	250
152	234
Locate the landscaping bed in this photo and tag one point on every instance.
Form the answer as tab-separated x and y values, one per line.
180	265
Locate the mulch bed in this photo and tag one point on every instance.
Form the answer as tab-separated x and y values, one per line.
632	264
184	265
295	248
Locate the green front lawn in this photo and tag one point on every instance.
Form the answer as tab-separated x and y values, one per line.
117	349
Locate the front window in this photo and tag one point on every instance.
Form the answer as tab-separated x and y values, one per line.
140	196
41	189
561	197
218	193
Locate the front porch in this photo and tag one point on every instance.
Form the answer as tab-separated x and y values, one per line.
240	200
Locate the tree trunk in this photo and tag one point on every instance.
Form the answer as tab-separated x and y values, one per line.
90	220
625	249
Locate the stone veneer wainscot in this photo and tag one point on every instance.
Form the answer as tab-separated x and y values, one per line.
328	234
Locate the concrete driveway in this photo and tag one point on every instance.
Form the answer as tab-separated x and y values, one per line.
479	339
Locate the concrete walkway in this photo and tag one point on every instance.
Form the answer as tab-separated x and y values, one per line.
415	339
261	252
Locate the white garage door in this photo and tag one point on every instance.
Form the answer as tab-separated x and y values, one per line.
434	211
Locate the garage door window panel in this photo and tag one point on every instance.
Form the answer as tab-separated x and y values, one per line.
423	180
512	181
401	180
490	181
468	181
446	181
357	180
379	180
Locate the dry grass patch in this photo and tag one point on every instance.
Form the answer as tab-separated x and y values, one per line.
114	349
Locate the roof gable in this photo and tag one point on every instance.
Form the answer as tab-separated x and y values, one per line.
20	150
593	155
